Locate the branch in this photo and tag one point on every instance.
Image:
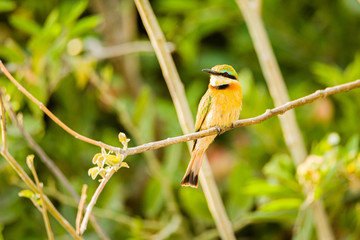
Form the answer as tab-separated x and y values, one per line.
30	163
39	151
51	115
94	199
3	124
247	122
274	79
276	84
177	92
211	131
101	52
80	208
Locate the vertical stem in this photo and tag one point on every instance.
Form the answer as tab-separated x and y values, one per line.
94	199
278	91
80	209
323	229
40	189
20	171
274	80
3	123
177	93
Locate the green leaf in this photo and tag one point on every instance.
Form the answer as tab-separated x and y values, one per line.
239	202
142	104
153	199
26	193
260	187
280	167
12	52
71	10
177	6
352	71
85	25
240	176
281	216
1	231
305	221
26	25
6	6
195	204
281	205
352	146
51	19
327	74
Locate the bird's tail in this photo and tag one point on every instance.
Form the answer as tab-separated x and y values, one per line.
191	177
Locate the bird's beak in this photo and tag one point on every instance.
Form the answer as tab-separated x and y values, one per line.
210	71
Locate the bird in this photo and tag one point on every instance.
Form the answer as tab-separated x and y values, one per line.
219	107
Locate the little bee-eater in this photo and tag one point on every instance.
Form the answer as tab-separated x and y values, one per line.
220	106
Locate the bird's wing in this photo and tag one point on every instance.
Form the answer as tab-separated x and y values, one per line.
203	110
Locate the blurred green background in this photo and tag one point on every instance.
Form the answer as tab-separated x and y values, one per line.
56	50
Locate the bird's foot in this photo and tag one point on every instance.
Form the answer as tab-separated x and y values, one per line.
218	129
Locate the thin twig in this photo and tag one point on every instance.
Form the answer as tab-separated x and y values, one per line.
30	163
41	153
169	229
80	208
3	124
247	122
110	214
133	130
239	123
93	200
101	52
276	84
274	80
177	93
50	114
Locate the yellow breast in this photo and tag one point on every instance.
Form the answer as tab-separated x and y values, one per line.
225	106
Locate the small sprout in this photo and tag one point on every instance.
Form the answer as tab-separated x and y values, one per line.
34	197
99	160
122	137
93	172
103	172
124	141
124	164
112	160
30	161
103	151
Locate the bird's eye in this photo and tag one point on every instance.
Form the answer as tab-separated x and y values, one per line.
226	74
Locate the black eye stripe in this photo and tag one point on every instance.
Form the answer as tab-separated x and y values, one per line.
227	75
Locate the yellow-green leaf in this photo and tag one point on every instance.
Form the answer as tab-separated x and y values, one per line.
124	164
26	193
93	172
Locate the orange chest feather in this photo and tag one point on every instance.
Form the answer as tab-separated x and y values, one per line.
229	98
225	106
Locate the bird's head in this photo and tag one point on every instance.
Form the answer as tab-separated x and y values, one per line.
222	75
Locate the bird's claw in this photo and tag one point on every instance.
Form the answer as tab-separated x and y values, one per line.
218	129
